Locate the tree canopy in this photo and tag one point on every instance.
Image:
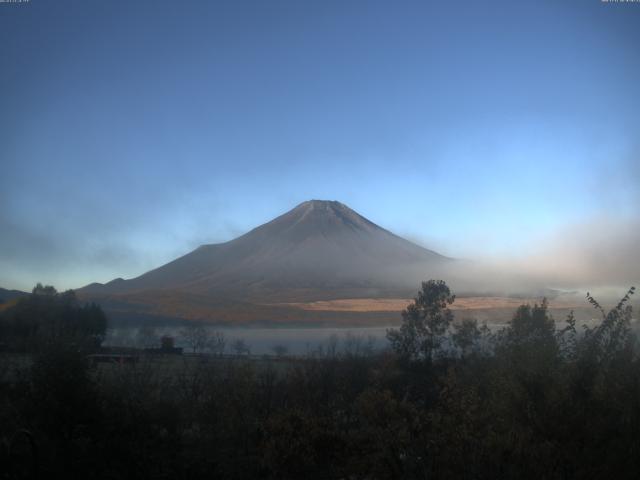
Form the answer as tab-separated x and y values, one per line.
47	316
424	322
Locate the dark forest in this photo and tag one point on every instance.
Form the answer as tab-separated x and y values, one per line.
540	398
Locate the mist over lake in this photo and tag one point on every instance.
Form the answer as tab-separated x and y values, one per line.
261	341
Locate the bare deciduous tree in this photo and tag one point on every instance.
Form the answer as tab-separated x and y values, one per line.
197	337
241	347
280	350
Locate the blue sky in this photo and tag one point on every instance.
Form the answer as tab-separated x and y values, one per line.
131	132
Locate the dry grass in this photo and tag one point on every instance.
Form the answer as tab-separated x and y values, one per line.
398	304
350	311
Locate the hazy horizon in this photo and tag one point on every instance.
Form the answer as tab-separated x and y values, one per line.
505	134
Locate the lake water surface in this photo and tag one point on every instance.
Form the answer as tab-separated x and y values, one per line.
297	341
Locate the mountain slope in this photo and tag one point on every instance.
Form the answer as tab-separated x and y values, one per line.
318	250
6	295
318	244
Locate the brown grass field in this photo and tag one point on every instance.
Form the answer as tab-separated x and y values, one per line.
336	312
398	304
493	310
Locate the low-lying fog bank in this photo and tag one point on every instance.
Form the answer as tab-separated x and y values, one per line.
259	341
305	341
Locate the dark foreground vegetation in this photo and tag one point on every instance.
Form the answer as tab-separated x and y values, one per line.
449	400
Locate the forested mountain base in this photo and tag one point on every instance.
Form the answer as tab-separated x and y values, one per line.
451	400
